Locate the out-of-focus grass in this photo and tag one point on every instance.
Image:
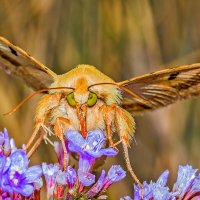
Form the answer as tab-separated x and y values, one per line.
122	39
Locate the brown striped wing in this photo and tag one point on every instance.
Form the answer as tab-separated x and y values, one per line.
15	61
162	88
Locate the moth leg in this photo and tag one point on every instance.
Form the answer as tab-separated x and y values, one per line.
61	125
46	103
108	118
125	128
36	130
117	143
35	146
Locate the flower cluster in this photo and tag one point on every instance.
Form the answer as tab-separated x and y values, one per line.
187	186
20	182
17	180
80	183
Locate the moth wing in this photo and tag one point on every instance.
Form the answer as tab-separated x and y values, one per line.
15	61
161	88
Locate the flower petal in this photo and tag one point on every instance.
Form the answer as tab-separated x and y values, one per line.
61	178
75	138
86	178
2	163
71	176
108	152
59	152
162	180
33	173
7	164
116	173
95	139
95	189
85	163
186	175
19	160
5	184
102	152
26	189
74	148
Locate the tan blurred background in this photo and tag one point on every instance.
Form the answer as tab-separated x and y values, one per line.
123	39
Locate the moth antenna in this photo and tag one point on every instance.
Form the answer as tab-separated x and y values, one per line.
134	95
32	95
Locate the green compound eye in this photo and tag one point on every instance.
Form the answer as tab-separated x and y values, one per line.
71	100
92	99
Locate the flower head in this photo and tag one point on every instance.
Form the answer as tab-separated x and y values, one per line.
185	179
18	177
88	149
115	174
91	146
186	187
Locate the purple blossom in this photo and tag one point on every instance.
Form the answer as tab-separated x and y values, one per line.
185	179
88	149
18	181
154	190
91	146
187	184
50	173
61	181
17	177
115	174
71	177
86	178
59	152
96	188
186	187
5	147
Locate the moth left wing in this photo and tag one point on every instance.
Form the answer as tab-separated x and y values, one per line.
15	61
162	88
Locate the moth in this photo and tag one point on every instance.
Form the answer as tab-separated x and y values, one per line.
85	99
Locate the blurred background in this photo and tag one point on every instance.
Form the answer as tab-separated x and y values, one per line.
123	39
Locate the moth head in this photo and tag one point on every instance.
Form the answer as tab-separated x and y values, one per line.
84	79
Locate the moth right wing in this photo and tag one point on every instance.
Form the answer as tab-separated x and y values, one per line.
161	88
15	61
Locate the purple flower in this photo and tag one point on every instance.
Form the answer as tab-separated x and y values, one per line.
5	147
186	187
89	149
86	178
59	152
91	146
115	174
50	173
187	184
61	181
154	190
96	188
185	179
71	177
17	177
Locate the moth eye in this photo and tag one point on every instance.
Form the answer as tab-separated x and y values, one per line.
92	99
71	100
